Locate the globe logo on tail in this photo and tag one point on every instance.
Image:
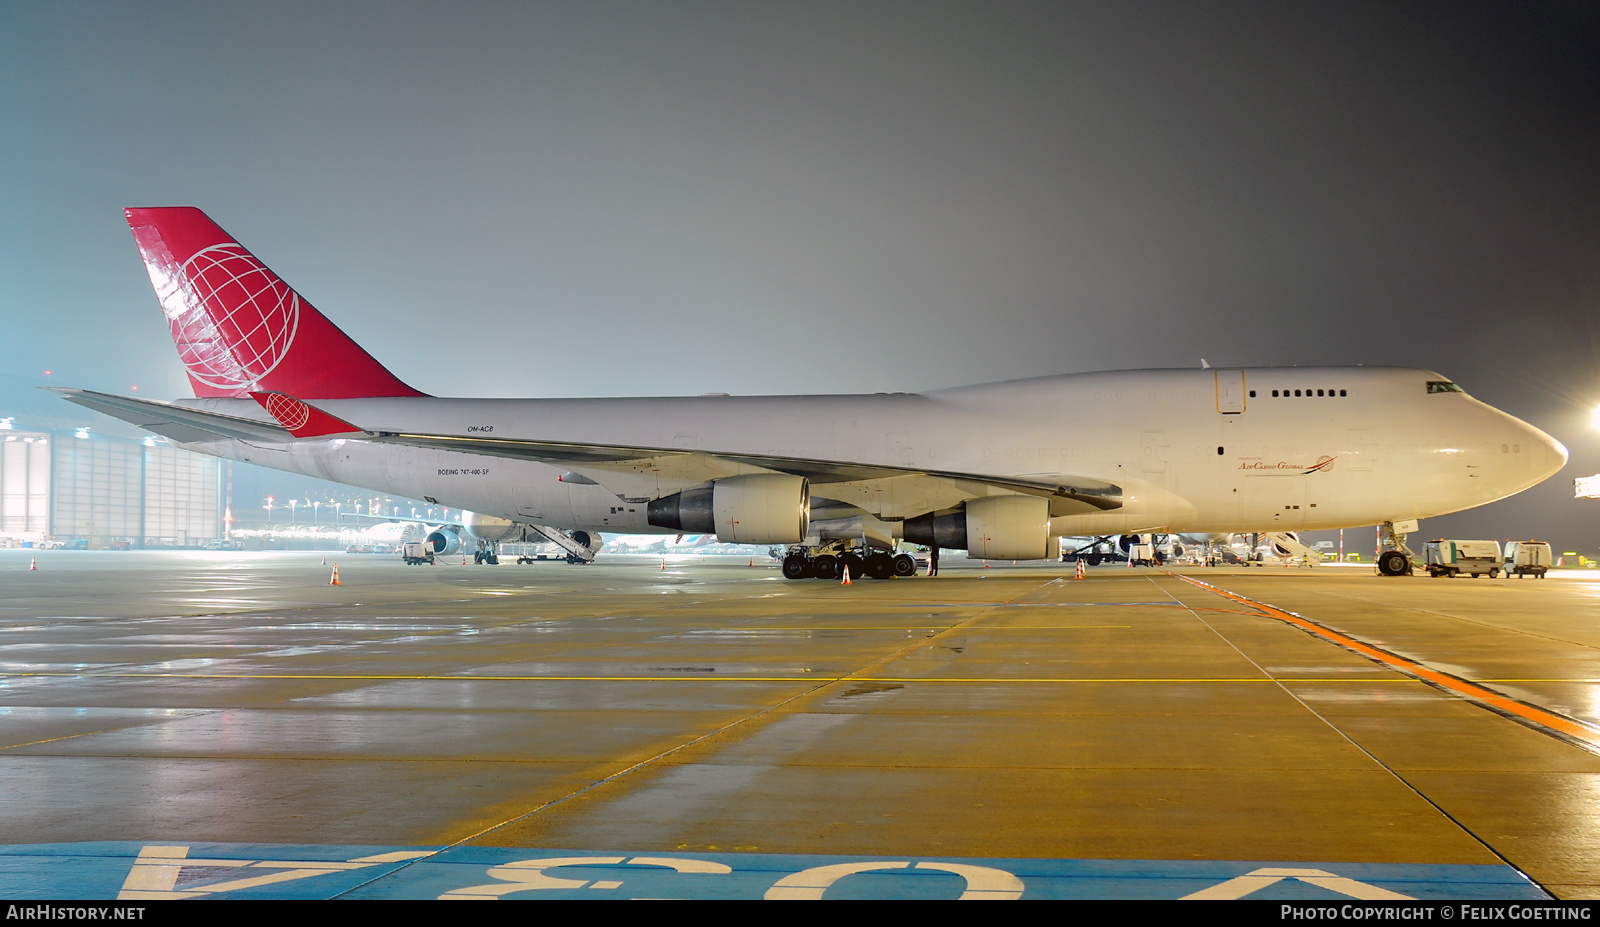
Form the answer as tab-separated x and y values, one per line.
291	413
239	321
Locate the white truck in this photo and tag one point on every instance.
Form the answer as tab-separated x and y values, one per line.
1452	558
415	553
1528	558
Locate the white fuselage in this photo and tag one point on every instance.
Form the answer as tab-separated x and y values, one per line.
1377	445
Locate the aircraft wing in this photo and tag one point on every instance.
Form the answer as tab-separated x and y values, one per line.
175	422
634	473
639	474
661	470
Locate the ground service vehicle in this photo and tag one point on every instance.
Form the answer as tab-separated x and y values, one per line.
1452	558
1528	558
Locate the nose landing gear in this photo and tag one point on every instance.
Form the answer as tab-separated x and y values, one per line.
1396	557
1394	563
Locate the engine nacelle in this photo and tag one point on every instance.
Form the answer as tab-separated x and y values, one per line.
488	527
1008	528
444	541
991	528
762	508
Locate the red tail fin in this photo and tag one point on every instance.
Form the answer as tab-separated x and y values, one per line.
238	327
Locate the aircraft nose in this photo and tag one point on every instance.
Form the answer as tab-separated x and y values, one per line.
1555	453
1550	456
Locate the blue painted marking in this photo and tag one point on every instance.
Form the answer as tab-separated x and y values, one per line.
84	871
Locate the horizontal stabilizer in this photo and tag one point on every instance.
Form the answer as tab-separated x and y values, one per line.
175	422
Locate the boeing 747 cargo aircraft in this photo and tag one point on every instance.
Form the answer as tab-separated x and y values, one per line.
1000	470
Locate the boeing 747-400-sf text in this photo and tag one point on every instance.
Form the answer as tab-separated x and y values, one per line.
1000	470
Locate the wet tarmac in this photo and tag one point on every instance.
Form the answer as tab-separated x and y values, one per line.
716	712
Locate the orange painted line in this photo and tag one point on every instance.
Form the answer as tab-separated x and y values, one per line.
1549	721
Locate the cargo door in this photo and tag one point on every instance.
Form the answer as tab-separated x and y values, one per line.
1361	450
899	451
1230	391
1271	496
1153	457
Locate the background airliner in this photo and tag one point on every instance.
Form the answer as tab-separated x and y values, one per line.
1000	470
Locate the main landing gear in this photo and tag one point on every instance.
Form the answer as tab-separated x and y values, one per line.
826	562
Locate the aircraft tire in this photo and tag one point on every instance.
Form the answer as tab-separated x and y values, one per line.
905	565
824	567
796	567
880	566
1394	563
854	564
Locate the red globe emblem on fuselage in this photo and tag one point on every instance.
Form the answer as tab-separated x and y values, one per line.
239	319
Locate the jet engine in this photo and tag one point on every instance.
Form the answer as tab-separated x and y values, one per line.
761	508
991	528
444	541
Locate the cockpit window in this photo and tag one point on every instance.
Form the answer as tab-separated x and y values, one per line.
1443	386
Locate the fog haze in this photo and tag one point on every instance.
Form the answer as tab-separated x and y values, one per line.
646	198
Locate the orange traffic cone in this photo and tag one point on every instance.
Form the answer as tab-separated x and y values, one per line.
844	571
663	564
1078	573
324	559
986	564
752	561
33	565
335	580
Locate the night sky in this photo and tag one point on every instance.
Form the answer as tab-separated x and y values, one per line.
653	198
